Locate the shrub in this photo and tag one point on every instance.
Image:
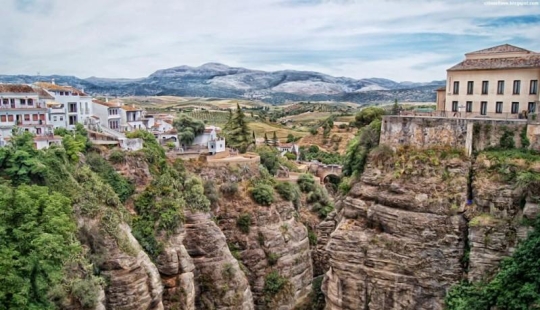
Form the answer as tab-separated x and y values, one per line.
263	194
306	182
117	157
229	188
314	131
273	284
272	259
290	156
288	191
211	192
312	237
507	139
243	222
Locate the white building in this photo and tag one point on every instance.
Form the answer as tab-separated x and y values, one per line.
108	114
75	104
288	147
209	139
22	107
132	118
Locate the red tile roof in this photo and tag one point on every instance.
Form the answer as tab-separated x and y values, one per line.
42	93
130	108
16	88
532	61
504	48
55	87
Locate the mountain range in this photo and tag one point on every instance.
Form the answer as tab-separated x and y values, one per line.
221	81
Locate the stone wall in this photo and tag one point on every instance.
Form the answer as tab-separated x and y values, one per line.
470	134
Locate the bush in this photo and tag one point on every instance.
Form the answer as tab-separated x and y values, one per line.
288	191
290	156
263	194
229	188
507	139
306	182
312	236
272	259
117	157
243	222
273	284
211	192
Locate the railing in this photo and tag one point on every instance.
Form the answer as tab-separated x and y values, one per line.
14	106
468	115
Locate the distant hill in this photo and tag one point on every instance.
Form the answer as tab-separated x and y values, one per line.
218	80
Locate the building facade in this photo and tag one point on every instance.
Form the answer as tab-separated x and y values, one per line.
108	114
74	104
497	82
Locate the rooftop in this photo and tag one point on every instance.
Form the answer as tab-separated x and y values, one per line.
107	104
16	88
532	61
504	48
55	87
42	93
130	108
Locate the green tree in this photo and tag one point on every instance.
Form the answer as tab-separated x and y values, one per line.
37	239
237	131
269	158
254	139
188	128
395	108
358	149
275	141
368	115
266	141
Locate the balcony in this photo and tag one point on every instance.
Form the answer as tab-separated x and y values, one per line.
19	106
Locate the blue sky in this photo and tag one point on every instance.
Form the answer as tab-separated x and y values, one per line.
402	40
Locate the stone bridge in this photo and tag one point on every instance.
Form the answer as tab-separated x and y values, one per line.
322	171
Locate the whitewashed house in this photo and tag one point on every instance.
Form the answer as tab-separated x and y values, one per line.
76	105
107	113
132	118
210	139
289	147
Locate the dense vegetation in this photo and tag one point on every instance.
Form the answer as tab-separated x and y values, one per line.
313	152
237	132
188	128
516	285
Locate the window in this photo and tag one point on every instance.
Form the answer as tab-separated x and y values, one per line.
468	106
10	118
30	102
34	117
3	118
72	107
42	117
27	117
515	107
454	106
483	107
72	119
533	89
532	107
38	131
517	86
5	101
470	87
498	107
23	101
61	118
485	85
500	88
55	118
456	87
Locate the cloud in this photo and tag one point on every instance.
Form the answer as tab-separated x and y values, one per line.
402	40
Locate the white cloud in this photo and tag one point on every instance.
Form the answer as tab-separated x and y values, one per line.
133	38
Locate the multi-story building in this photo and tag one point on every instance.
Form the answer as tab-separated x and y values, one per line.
20	106
132	118
500	81
74	104
108	114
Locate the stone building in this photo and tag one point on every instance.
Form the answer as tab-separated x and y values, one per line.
497	82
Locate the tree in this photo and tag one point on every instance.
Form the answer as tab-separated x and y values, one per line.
368	115
291	138
275	141
188	128
254	139
266	141
237	131
395	108
359	148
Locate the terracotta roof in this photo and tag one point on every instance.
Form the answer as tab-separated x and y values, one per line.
504	48
55	87
107	104
16	88
532	61
130	108
286	145
168	121
42	93
442	88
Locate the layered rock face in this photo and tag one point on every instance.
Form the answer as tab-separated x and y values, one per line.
276	241
497	219
399	240
221	284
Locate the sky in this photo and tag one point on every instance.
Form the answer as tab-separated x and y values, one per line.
403	40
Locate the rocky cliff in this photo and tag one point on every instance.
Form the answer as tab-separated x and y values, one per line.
399	241
418	222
